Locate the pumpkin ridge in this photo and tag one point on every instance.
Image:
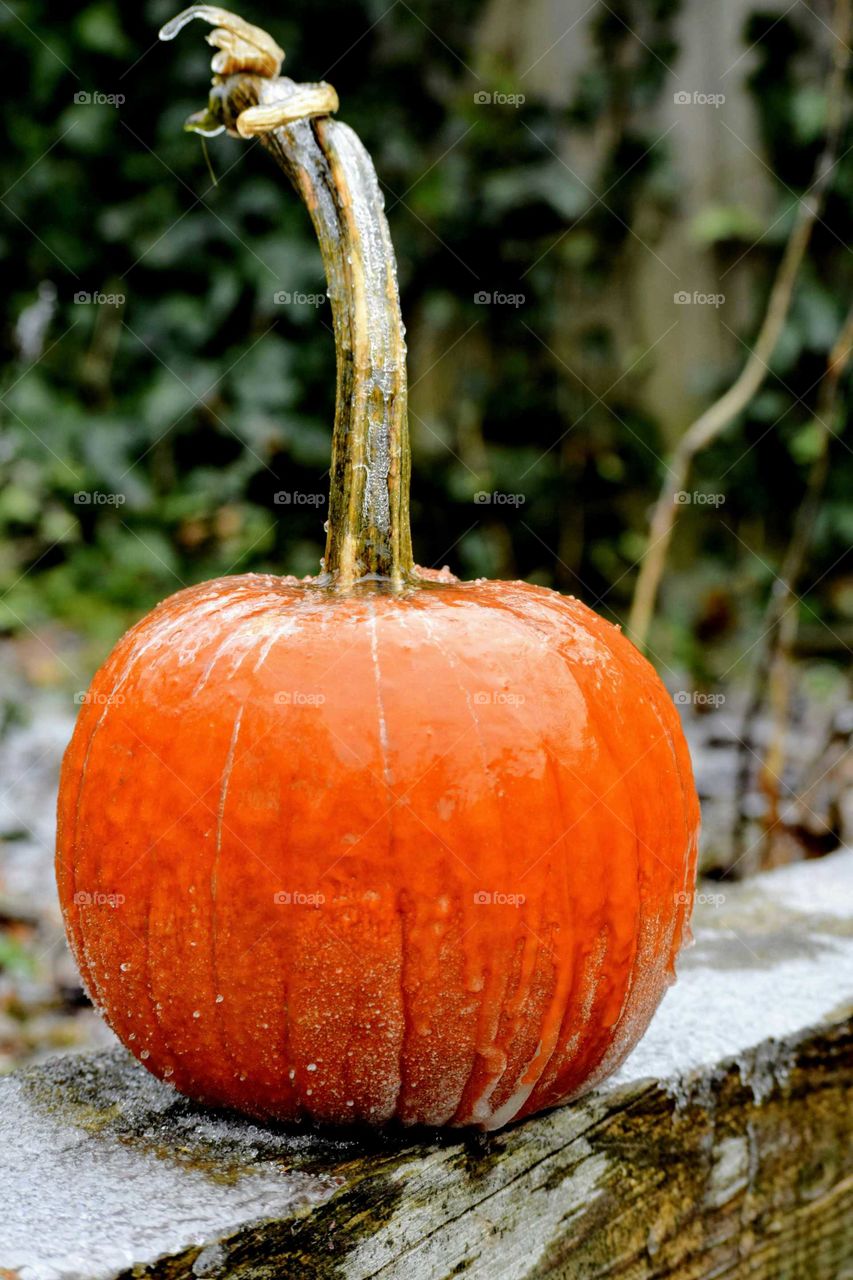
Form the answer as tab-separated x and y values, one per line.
452	663
405	1012
602	737
548	1075
406	1097
66	859
93	859
218	1014
682	924
514	1103
547	1079
170	1058
616	1052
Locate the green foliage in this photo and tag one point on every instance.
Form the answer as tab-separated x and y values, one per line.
199	398
15	958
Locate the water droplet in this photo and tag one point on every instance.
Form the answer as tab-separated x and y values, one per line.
219	999
196	1013
144	1055
124	967
312	1066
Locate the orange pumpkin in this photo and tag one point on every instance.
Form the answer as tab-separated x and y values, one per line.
378	844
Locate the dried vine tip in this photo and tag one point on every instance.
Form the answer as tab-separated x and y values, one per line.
247	50
242	47
298	102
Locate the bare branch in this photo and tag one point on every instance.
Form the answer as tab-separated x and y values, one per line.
772	676
724	411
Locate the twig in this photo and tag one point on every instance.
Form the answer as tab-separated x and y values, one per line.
772	671
709	425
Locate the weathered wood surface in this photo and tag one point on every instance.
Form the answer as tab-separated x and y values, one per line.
721	1149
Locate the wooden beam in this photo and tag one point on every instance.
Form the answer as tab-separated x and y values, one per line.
720	1149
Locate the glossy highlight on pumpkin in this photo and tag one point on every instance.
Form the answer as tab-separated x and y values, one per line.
368	857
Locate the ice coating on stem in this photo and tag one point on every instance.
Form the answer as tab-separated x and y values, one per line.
368	534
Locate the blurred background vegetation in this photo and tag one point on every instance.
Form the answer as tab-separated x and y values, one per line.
598	198
591	164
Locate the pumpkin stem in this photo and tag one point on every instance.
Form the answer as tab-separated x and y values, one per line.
368	529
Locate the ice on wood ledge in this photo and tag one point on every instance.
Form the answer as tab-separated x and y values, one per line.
105	1172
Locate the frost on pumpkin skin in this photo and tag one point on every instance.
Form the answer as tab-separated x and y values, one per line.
395	756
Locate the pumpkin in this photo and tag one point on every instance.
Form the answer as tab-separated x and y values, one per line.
378	845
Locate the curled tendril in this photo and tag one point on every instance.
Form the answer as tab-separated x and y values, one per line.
241	46
247	50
